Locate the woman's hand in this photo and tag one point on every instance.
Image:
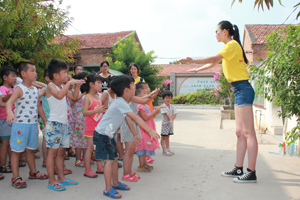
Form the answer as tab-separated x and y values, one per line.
187	59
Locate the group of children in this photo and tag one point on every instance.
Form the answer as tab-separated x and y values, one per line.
77	113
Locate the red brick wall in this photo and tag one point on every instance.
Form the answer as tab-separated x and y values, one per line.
96	56
256	51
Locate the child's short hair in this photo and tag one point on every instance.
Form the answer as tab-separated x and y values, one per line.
167	94
90	78
5	71
119	83
23	66
77	66
139	87
55	66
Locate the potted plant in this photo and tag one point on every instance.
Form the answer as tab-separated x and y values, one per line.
223	89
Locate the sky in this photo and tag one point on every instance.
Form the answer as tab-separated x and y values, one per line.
173	29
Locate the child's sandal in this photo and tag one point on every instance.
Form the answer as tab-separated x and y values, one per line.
34	176
166	153
79	163
5	169
135	175
1	176
143	169
129	178
89	173
18	185
100	170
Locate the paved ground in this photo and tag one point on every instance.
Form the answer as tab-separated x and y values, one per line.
203	151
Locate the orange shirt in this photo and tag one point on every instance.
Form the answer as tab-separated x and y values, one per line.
150	105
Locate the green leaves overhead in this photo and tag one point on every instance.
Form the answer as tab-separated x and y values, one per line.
27	33
128	52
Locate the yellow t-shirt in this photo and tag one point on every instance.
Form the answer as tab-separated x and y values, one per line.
138	79
234	66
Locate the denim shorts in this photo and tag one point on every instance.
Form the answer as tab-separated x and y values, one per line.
24	136
5	129
243	93
57	135
106	148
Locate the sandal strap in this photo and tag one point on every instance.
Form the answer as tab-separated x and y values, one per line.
34	173
15	179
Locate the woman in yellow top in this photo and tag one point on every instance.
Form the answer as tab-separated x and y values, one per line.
134	71
234	66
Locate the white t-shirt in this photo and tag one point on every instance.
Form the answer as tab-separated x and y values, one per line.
172	111
58	109
26	110
113	118
18	82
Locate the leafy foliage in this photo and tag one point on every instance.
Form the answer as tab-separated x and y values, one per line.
27	33
269	4
278	77
128	52
202	97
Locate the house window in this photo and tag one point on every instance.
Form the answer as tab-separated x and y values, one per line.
259	98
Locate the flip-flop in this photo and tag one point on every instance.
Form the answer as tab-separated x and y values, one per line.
67	182
52	187
121	186
112	194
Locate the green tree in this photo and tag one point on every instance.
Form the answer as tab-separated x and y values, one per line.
278	77
128	52
27	33
269	4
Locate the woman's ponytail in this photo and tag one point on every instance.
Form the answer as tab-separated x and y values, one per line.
233	32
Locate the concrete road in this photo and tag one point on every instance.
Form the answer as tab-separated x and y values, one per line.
202	152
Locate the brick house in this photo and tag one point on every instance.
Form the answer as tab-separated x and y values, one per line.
254	42
184	81
95	47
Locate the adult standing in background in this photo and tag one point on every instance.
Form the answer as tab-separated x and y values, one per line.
234	67
78	69
134	71
106	76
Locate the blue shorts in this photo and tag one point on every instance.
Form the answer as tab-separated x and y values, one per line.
24	136
106	148
243	93
57	135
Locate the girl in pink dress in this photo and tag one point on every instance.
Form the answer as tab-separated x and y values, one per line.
77	139
93	112
146	146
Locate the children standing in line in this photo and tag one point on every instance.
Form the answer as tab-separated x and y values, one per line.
167	127
46	110
57	135
24	135
103	138
147	146
77	139
93	112
9	78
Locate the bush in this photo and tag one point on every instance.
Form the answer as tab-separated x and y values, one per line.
202	97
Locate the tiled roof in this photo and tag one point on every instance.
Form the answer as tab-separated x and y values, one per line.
97	40
167	69
258	32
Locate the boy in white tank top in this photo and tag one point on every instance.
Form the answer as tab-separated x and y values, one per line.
24	134
56	130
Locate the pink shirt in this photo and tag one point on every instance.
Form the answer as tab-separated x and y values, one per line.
92	121
4	90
